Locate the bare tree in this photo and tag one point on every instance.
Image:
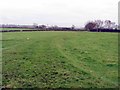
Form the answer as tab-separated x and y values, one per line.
42	26
107	24
73	27
90	25
35	25
99	23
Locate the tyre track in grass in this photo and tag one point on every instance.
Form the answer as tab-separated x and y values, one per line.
81	65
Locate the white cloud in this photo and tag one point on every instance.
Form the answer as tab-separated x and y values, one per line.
60	12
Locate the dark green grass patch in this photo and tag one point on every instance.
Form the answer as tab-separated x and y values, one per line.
60	59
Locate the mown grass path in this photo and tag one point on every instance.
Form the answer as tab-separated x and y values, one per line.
60	59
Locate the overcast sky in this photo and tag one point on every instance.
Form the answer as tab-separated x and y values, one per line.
57	12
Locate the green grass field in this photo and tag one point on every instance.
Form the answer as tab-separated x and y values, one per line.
60	59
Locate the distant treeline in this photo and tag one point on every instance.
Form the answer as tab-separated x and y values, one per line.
104	30
92	26
16	26
63	29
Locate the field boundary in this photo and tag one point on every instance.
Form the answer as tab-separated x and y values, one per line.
94	30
